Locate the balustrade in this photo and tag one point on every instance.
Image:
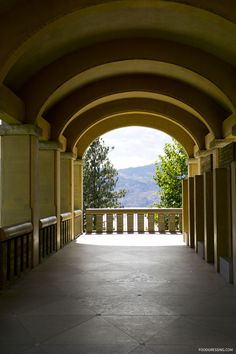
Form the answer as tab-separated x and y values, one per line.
130	220
78	222
15	251
66	228
47	236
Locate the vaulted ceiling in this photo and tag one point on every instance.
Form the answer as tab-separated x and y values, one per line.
79	68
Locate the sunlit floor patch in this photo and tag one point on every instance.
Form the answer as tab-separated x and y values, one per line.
132	240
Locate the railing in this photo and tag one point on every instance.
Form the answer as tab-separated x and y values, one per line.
15	251
134	220
47	236
78	222
66	228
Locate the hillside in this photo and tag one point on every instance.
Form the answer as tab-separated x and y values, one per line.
138	181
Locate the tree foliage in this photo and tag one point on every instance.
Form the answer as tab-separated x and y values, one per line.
171	169
100	178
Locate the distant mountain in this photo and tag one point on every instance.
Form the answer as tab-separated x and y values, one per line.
138	181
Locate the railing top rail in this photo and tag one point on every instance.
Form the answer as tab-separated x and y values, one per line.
45	222
66	216
12	231
77	212
132	210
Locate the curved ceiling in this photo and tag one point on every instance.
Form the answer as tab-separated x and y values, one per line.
175	60
133	119
195	128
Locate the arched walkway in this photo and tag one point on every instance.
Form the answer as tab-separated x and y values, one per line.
72	70
104	299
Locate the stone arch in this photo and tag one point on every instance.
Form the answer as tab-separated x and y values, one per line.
204	107
134	119
187	121
149	56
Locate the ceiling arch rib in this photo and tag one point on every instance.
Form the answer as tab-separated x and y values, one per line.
134	119
193	126
52	83
60	27
207	109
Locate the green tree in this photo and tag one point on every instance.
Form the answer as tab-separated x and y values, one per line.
171	169
100	178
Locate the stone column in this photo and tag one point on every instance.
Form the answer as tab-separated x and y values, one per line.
78	189
221	214
193	167
78	184
233	201
208	217
185	211
67	185
191	211
49	182
198	213
19	179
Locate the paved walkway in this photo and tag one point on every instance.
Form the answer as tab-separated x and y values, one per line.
118	299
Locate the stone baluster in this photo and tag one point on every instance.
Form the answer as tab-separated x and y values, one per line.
151	222
140	222
171	223
130	222
120	223
99	223
89	223
161	222
110	223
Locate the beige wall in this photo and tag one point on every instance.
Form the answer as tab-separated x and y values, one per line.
15	179
78	184
66	183
46	183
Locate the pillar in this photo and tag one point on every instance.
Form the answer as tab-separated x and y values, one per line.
185	210
208	217
67	184
78	184
233	203
49	182
19	179
193	167
191	211
78	190
198	211
221	215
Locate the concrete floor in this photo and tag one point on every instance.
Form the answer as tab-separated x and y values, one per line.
118	299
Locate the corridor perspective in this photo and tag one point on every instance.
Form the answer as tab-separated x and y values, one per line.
107	299
71	71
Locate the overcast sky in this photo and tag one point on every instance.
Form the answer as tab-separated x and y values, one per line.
135	146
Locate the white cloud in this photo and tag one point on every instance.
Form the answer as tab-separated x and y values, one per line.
135	146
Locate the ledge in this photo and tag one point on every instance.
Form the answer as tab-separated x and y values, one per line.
77	212
9	232
45	222
79	162
66	216
20	129
93	211
68	156
50	145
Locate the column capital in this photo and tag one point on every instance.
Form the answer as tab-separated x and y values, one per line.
68	156
20	129
79	162
50	145
220	143
192	160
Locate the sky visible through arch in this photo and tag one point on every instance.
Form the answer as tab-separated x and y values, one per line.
135	146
